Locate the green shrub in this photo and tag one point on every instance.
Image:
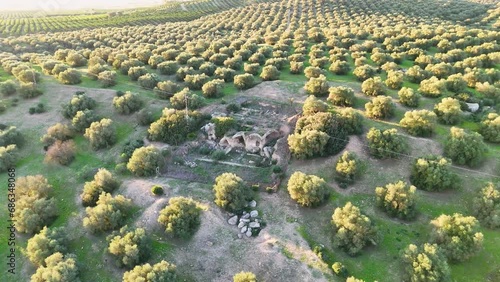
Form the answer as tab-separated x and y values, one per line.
490	128
427	263
348	168
307	190
101	134
380	107
162	271
244	277
179	100
128	246
397	199
166	89
244	81
317	86
341	96
351	120
486	206
181	217
109	213
448	111
433	173
373	86
79	102
213	88
409	97
223	125
419	122
231	193
465	148
385	144
103	181
46	243
145	160
313	105
270	73
128	103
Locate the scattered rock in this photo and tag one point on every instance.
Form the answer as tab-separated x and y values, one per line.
254	213
254	225
244	220
240	236
241	224
249	233
246	216
252	204
233	220
473	107
244	229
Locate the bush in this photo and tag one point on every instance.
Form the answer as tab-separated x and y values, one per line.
179	100
157	190
29	90
307	190
8	157
251	68
109	213
168	67
231	193
380	107
394	79
385	144
129	148
223	125
244	277
364	72
432	87
433	173
46	243
145	160
456	83
490	128
79	102
419	122
213	88
70	76
486	206
457	235
244	81
10	135
225	73
181	217
101	134
195	81
149	81
397	199
83	119
270	73
76	60
465	148
313	72
34	208
339	269
308	144
409	97
489	91
145	117
56	132
166	89
8	87
127	104
172	127
107	78
317	86
328	123
351	120
135	72
341	96
353	230
59	268
448	111
373	87
313	105
340	67
103	182
129	246
160	272
60	152
426	263
348	168
208	68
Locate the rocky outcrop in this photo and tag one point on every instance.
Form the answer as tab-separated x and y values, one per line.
252	143
248	223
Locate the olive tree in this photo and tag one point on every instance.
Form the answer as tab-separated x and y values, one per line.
448	111
186	98
244	81
58	268
313	105
419	122
427	263
486	206
490	128
317	86
128	246
159	272
433	173
465	148
348	168
385	144
101	134
244	277
380	107
353	230
109	213
145	161
397	199
181	217
127	103
103	181
307	190
47	242
373	86
231	193
409	97
341	96
457	235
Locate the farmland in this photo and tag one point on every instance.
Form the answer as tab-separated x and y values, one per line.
300	140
